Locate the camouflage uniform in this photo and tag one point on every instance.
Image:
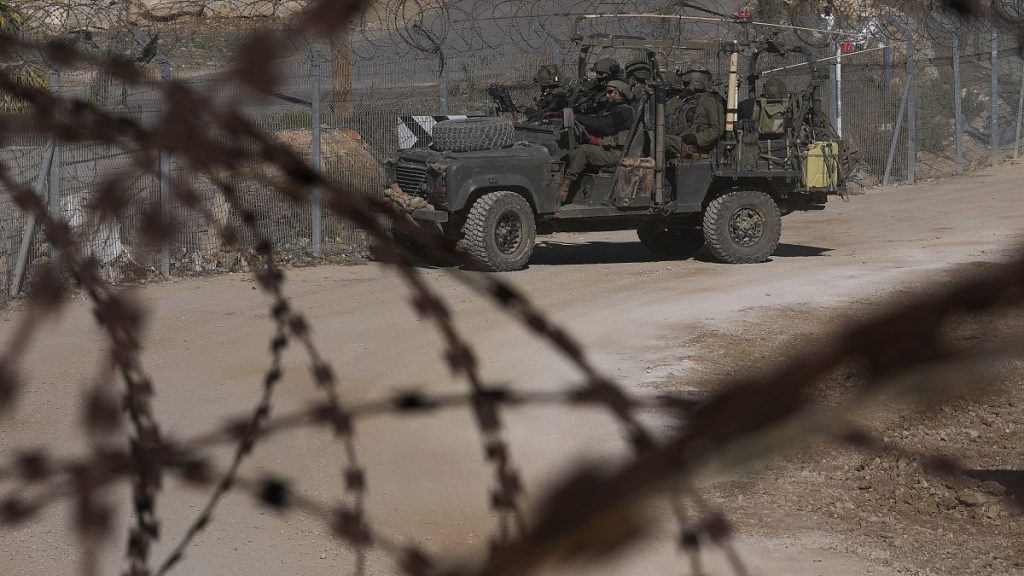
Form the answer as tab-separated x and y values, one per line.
609	131
702	130
592	97
679	113
553	98
638	73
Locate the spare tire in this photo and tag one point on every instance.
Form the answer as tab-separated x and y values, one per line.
472	134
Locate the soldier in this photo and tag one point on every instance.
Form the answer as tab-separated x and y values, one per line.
592	92
701	132
553	97
679	107
607	130
638	73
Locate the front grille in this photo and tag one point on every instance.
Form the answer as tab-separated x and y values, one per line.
410	177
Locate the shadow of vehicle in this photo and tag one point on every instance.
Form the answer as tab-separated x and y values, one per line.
553	253
561	253
798	251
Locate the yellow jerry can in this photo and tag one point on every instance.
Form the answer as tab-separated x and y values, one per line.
821	165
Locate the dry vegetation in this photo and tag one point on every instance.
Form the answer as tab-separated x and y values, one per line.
916	350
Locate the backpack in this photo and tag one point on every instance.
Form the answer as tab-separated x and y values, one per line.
770	115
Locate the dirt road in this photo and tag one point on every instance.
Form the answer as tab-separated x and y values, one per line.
653	325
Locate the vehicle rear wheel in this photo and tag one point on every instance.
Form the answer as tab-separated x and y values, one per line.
500	231
669	242
742	227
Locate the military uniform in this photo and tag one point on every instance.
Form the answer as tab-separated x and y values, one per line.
592	92
550	100
609	131
679	112
708	120
552	96
638	74
696	119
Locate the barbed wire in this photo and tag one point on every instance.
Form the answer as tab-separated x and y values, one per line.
592	511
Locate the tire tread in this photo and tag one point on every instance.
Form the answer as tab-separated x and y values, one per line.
475	232
719	246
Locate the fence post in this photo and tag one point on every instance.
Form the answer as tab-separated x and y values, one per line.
958	110
53	183
911	110
316	212
30	221
886	68
165	176
442	72
833	102
895	135
1020	114
995	95
839	91
443	83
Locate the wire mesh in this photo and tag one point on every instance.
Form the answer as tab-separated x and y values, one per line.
405	59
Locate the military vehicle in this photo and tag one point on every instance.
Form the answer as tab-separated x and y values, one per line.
493	185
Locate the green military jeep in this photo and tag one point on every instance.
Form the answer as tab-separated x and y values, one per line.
493	185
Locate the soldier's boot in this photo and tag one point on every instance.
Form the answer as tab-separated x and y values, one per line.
563	189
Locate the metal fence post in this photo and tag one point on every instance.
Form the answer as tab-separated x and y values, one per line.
833	102
53	183
958	110
30	221
839	91
911	110
995	95
895	136
165	176
316	211
443	83
1020	114
886	69
442	72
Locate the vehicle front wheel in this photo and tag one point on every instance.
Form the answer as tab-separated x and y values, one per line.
500	231
742	227
669	242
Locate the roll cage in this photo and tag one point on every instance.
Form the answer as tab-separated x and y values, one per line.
657	51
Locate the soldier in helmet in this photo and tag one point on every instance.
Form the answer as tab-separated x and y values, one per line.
703	116
606	135
553	97
592	93
679	107
638	73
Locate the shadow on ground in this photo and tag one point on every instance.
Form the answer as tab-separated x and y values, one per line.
1011	480
624	252
799	251
553	253
591	253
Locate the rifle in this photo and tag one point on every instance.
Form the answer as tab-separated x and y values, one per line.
502	99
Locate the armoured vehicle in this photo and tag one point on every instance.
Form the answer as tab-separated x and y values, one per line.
493	185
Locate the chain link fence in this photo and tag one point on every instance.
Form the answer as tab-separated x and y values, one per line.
348	104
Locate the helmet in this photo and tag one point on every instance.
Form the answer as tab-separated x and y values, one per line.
639	69
622	87
696	79
547	75
607	67
774	88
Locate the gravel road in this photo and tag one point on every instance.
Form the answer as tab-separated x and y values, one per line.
645	322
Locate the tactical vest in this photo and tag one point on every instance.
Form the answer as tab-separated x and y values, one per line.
679	113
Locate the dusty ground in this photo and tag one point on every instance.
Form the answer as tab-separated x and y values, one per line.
654	325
